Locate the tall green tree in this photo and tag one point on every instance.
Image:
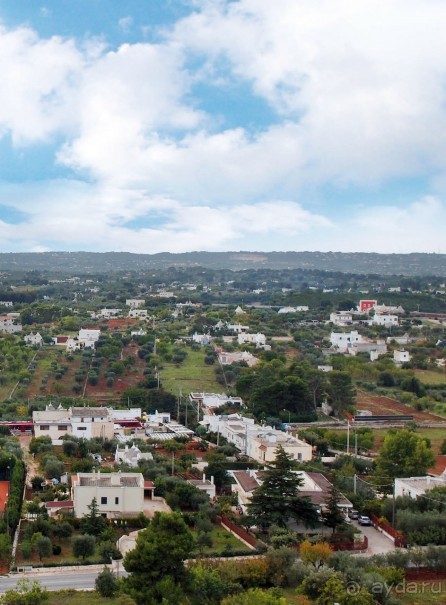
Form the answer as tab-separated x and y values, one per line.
277	500
156	563
403	453
93	523
332	514
340	390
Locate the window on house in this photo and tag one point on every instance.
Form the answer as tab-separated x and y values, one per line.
103	499
81	428
62	427
44	427
116	500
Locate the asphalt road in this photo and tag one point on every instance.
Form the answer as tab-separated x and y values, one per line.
57	579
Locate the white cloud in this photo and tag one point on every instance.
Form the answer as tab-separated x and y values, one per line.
358	93
38	86
125	23
363	79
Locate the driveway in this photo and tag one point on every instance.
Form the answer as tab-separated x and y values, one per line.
379	543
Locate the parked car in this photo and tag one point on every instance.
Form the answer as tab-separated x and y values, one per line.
364	520
353	513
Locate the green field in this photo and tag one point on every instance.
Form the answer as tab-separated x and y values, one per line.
71	597
192	375
435	435
223	540
431	376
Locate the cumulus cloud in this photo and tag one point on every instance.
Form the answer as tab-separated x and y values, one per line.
357	97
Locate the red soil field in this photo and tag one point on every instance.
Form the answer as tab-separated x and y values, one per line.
386	405
4	489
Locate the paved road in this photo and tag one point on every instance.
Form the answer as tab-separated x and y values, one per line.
57	579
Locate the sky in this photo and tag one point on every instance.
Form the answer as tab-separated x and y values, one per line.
176	125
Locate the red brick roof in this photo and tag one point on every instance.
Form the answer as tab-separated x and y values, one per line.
60	504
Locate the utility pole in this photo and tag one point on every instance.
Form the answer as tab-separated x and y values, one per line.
356	443
348	436
354	483
393	505
185	416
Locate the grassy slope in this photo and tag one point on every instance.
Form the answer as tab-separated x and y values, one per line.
431	377
193	375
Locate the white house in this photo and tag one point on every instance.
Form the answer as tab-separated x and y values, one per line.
263	446
259	340
237	328
341	318
315	486
87	338
109	313
260	443
135	303
201	339
9	323
401	356
418	486
344	340
33	340
213	400
204	485
81	422
139	332
131	455
138	313
229	358
117	494
385	320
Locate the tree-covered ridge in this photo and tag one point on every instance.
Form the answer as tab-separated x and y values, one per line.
359	262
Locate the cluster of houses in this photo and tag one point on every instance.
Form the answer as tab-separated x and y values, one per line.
106	423
258	442
352	343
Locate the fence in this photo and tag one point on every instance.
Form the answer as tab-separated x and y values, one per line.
237	530
397	536
350	546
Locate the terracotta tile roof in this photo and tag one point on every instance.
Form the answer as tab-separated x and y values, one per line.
60	504
246	481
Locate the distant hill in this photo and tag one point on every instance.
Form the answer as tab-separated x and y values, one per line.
355	262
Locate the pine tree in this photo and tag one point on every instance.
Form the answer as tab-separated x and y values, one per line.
93	523
278	500
333	515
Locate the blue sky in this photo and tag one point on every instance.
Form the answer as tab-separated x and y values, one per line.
177	125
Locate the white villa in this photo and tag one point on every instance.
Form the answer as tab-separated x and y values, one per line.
259	340
117	494
344	340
